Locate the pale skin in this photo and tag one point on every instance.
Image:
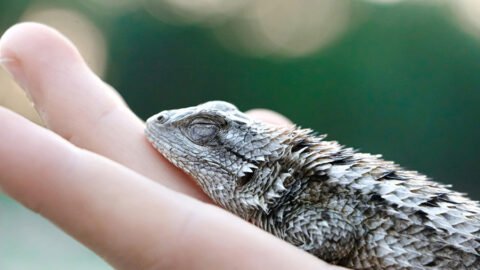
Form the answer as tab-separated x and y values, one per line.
94	175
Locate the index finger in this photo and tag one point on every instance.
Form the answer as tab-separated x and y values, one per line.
130	221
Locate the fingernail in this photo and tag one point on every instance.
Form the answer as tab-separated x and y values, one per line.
5	60
14	69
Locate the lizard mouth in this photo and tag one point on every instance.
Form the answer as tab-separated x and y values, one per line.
154	136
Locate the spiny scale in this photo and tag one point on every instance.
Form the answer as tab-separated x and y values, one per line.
348	208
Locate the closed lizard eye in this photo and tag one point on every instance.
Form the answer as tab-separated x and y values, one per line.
201	132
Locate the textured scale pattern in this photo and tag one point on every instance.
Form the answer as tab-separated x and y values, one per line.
348	208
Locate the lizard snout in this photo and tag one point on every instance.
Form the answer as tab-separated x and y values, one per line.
158	119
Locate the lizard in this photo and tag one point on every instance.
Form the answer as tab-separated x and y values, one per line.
348	208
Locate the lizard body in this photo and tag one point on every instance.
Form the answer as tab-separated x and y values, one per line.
348	208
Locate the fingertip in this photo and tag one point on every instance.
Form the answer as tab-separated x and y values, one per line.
23	148
9	122
54	76
21	139
34	41
270	117
36	56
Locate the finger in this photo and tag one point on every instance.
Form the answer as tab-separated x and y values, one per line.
269	117
79	106
127	219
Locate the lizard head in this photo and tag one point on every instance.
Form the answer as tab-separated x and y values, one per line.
223	149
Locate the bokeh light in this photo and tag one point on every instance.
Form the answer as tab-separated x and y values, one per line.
384	1
467	14
286	28
111	8
78	28
200	12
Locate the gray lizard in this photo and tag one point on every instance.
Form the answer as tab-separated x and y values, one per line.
347	208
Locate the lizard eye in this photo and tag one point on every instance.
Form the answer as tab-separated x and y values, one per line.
202	132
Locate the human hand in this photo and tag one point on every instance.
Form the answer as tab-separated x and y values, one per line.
99	179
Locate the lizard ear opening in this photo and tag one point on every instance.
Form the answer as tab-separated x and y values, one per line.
245	179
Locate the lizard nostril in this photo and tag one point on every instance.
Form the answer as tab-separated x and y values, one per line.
161	119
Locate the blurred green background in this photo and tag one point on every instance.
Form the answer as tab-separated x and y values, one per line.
400	78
